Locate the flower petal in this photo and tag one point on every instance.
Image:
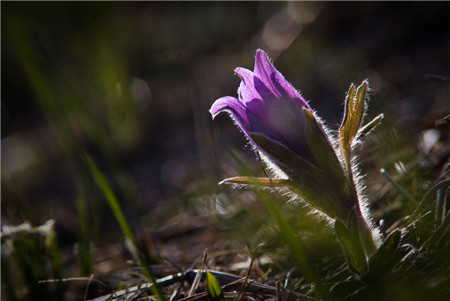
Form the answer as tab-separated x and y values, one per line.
244	118
272	82
229	103
247	121
263	71
247	93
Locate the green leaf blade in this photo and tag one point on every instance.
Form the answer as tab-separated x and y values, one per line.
380	260
352	247
213	287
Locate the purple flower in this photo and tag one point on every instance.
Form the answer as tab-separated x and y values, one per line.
279	123
267	104
281	126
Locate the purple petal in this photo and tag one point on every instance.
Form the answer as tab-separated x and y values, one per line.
248	94
270	79
227	103
287	89
237	111
263	71
245	75
247	120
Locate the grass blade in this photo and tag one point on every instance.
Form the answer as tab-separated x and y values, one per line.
110	197
113	202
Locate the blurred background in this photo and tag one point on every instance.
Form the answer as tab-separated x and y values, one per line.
129	84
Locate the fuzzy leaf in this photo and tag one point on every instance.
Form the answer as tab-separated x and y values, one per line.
213	287
306	192
353	116
264	182
301	190
322	149
305	179
291	163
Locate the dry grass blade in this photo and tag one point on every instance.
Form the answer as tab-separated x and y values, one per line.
199	275
247	274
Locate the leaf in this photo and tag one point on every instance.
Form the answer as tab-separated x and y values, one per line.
322	149
355	236
381	260
305	179
352	247
286	159
315	186
264	182
353	116
386	264
371	125
213	287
